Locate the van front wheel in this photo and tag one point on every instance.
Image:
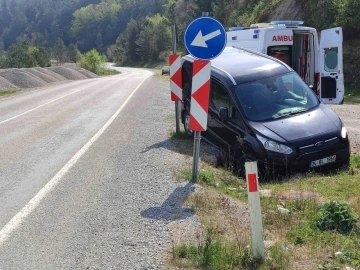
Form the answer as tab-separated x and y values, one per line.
240	163
187	129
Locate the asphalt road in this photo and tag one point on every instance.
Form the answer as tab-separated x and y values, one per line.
83	183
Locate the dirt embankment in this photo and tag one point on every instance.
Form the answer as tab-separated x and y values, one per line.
288	10
15	79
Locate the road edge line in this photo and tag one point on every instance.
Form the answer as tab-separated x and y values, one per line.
17	220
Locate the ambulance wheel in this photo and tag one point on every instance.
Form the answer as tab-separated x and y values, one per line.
187	129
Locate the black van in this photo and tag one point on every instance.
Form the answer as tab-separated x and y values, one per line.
261	110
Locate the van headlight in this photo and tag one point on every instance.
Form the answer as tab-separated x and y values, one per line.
343	132
274	146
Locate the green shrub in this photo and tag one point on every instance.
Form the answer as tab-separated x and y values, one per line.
336	216
207	177
92	61
351	256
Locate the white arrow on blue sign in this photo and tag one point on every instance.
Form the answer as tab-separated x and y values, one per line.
205	38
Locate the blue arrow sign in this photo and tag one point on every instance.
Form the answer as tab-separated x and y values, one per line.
205	38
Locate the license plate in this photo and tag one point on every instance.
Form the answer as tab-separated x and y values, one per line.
322	162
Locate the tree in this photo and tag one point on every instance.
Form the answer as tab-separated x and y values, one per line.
20	56
348	16
126	46
60	51
73	53
26	55
90	22
3	63
223	10
41	56
2	49
181	12
154	38
111	51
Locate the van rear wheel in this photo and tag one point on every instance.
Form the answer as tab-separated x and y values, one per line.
187	129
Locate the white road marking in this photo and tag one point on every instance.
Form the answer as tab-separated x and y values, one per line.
47	103
17	220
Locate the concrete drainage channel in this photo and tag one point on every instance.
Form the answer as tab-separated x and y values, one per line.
17	79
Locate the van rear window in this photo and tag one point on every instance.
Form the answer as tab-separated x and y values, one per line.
331	59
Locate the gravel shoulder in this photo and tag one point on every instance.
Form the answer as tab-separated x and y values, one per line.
350	115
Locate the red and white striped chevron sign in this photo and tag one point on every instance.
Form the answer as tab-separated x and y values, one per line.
175	77
200	95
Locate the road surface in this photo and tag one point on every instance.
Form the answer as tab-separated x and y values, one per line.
83	183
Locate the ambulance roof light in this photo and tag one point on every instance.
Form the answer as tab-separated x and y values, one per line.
260	25
237	28
287	23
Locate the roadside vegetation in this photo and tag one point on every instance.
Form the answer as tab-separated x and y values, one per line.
320	230
94	62
24	55
352	95
7	93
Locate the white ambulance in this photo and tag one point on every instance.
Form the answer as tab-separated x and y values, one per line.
320	64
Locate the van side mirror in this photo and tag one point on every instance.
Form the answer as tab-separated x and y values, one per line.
224	113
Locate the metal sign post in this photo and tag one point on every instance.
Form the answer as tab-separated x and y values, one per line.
196	155
205	39
177	103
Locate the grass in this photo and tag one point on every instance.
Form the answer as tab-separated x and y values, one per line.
179	136
299	243
226	243
355	162
213	253
221	179
107	72
7	93
165	78
352	95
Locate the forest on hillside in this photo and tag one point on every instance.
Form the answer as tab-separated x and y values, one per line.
134	32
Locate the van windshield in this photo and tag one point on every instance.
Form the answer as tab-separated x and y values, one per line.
275	97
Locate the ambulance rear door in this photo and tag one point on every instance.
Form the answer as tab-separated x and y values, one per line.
331	66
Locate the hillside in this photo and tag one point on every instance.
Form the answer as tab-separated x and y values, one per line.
135	32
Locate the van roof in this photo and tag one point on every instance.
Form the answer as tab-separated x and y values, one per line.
242	65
